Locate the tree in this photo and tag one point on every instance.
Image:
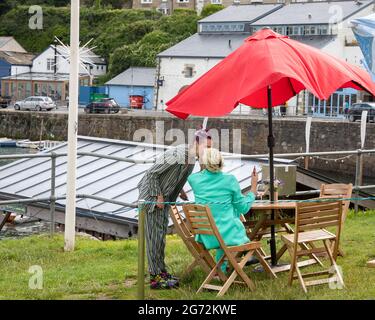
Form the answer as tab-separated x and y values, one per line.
142	53
211	9
124	37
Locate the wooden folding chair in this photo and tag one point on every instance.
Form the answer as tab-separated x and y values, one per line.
311	219
202	257
338	190
202	222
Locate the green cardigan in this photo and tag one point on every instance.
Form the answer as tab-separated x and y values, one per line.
221	187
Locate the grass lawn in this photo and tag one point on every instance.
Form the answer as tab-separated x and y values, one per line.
108	270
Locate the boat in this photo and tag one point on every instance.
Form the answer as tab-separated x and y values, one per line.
7	143
29	144
40	145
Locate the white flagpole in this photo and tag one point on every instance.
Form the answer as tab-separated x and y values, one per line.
307	137
70	209
204	125
363	128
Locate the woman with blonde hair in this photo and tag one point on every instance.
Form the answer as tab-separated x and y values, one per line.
222	193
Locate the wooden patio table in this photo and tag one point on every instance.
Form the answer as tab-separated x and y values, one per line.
258	228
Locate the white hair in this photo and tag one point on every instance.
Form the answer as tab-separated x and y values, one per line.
212	160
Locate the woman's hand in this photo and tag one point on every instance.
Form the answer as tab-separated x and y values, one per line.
254	182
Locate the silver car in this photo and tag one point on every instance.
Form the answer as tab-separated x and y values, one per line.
37	103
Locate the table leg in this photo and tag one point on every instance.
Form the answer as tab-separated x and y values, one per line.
258	226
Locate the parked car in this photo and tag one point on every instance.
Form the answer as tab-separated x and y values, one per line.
5	102
355	111
106	105
37	103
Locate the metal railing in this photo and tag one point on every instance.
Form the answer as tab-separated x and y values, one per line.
53	198
53	156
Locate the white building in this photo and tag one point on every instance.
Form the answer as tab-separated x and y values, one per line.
45	74
323	25
53	60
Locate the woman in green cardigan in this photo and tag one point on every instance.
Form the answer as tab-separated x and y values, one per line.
222	193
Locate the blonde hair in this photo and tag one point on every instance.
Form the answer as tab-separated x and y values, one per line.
212	160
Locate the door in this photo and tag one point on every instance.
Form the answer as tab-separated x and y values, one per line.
25	104
38	102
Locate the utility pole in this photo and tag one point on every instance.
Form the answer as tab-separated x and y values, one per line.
70	208
55	59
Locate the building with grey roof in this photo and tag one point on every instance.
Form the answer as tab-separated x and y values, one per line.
322	24
134	85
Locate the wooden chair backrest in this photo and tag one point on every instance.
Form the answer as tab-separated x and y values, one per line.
318	215
181	227
201	221
338	190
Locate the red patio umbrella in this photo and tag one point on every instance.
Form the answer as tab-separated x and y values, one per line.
266	71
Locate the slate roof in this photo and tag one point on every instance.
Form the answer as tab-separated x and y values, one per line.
242	13
206	45
221	45
17	58
320	12
144	77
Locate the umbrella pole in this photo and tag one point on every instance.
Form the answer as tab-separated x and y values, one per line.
271	144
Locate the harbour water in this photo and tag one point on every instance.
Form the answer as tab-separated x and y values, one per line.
5	150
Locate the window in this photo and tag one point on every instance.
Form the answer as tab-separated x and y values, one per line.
323	29
7	90
280	30
188	71
28	89
182	1
50	64
295	30
36	89
59	91
216	1
222	27
237	1
146	1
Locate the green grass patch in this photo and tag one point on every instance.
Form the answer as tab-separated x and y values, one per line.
108	270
